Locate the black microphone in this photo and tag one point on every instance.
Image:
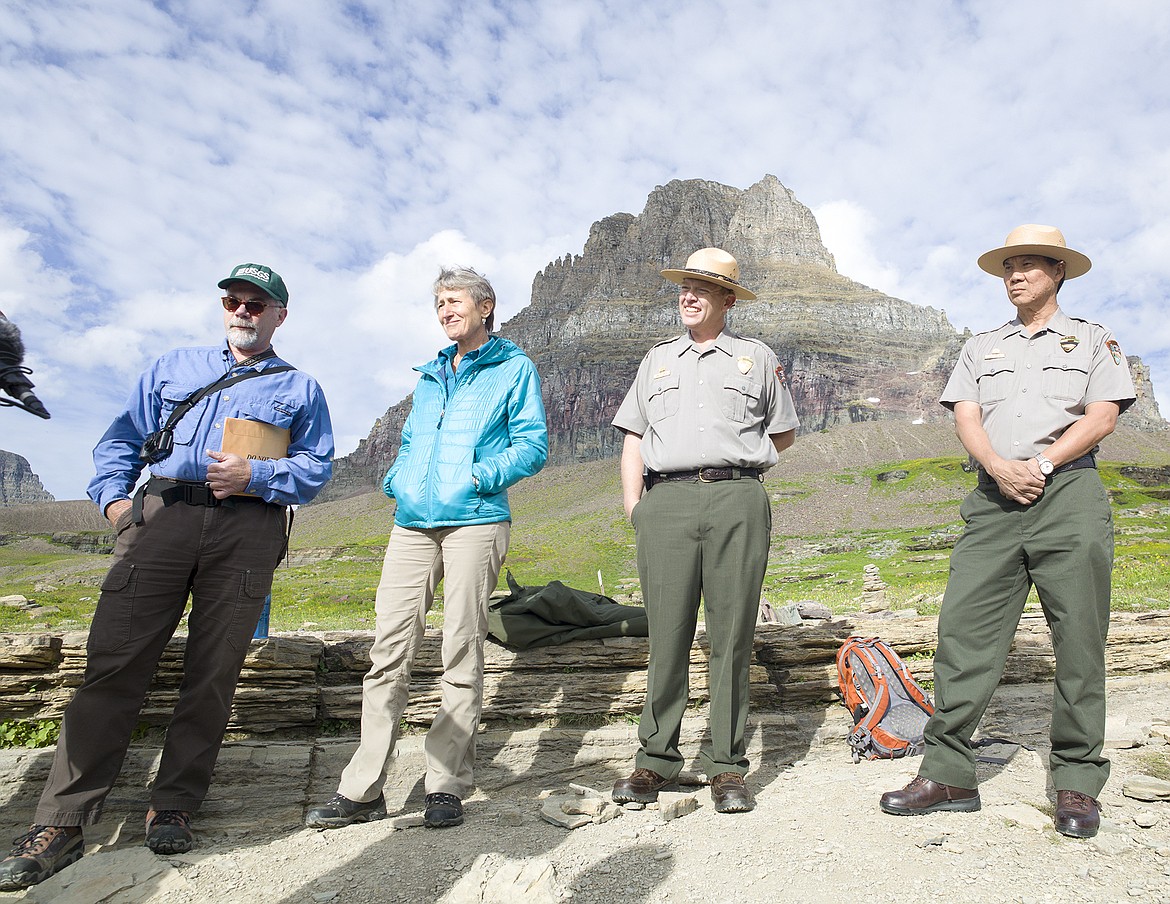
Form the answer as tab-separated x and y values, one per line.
13	375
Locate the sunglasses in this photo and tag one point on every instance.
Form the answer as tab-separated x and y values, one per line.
255	308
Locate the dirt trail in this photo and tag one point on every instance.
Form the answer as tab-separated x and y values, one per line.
816	836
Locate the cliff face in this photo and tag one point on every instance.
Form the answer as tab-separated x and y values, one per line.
18	484
851	353
1143	414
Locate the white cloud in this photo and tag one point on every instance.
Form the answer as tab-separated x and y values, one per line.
149	147
846	230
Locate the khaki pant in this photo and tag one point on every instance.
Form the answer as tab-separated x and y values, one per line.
222	556
1062	543
467	559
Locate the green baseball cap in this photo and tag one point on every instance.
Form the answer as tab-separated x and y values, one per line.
260	276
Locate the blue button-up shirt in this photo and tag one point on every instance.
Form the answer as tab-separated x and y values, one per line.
291	400
447	370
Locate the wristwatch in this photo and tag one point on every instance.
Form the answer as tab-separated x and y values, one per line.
1046	466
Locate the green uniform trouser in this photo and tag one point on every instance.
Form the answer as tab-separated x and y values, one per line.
708	539
1063	543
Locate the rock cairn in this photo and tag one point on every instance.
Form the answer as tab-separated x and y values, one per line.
873	589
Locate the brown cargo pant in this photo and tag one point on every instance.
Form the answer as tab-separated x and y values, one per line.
223	557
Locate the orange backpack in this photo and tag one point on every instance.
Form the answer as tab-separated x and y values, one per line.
889	708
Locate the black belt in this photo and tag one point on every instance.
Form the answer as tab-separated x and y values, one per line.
173	491
704	475
1085	461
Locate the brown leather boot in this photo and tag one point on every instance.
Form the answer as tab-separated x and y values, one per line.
730	794
924	796
1077	815
642	786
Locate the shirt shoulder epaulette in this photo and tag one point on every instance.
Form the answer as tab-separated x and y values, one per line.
1002	326
752	339
1087	322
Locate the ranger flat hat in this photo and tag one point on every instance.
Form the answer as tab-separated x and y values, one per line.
1045	241
713	265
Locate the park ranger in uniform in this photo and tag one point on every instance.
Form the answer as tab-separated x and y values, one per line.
706	416
1032	400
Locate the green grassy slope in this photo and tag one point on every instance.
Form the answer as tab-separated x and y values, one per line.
840	501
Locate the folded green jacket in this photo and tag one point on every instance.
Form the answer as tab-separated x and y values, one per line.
552	614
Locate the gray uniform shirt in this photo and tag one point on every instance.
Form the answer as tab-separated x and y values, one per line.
714	409
1033	388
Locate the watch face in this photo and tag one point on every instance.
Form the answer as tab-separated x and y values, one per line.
1045	466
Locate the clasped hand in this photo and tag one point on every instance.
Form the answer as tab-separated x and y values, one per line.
1020	481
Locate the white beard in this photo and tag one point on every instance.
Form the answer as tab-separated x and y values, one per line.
244	339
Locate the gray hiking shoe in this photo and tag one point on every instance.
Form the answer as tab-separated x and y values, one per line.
443	810
341	811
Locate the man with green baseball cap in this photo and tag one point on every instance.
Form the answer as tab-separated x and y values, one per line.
260	276
210	524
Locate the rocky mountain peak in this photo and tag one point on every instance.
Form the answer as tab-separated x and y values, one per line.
18	484
851	353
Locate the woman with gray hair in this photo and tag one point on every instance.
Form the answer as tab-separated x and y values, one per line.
476	427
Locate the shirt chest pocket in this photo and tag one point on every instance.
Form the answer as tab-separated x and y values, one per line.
1066	377
277	412
172	396
662	401
995	380
740	398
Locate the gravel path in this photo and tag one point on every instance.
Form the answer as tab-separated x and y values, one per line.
816	836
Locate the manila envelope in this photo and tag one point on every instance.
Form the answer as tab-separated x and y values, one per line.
254	440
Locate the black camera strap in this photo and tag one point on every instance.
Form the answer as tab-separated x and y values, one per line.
160	441
229	379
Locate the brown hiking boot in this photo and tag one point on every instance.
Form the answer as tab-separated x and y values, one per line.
44	850
169	831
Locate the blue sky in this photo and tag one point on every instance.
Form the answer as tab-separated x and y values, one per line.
146	148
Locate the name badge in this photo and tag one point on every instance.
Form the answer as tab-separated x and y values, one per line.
994	355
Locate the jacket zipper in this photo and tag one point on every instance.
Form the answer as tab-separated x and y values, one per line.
447	397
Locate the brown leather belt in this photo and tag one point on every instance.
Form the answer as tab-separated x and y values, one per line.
704	475
1085	461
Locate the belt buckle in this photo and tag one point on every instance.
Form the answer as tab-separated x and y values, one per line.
199	494
703	479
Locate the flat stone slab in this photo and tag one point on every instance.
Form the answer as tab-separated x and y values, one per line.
128	875
256	788
1146	787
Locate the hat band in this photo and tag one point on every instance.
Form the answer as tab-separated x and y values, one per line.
719	276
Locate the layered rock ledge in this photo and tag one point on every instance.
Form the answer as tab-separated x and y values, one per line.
301	685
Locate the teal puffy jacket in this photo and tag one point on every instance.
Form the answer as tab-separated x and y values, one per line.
491	428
